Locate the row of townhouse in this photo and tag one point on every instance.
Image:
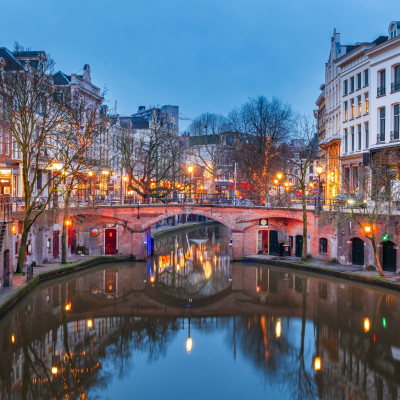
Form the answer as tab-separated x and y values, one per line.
358	110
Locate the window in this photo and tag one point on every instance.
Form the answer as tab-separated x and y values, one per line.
352	138
381	91
346	146
359	81
2	136
366	77
393	31
346	87
396	116
352	108
352	84
346	110
359	106
396	79
6	144
366	128
347	175
366	100
382	115
323	246
359	136
355	178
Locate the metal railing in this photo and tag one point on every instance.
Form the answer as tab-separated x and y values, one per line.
381	91
395	87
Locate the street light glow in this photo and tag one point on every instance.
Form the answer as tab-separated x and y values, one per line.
319	169
279	175
317	363
190	169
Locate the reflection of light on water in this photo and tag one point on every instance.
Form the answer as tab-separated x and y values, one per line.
207	269
189	344
278	328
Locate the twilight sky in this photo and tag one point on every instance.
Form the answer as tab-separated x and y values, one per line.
203	55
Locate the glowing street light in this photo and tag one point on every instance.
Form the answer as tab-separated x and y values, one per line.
279	175
68	222
125	178
68	307
12	338
54	370
90	323
57	166
105	172
190	169
90	173
319	169
368	229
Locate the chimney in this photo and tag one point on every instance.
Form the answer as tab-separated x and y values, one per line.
86	73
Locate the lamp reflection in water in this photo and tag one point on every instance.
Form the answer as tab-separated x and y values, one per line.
189	342
278	328
367	324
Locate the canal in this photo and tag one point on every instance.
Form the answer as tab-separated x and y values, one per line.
190	324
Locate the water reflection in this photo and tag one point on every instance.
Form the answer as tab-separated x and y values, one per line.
193	264
112	334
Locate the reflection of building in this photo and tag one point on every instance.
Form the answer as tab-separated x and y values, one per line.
79	329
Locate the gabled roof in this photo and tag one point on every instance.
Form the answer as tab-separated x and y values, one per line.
60	79
12	64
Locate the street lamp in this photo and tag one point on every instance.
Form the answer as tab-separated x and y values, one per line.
319	170
190	170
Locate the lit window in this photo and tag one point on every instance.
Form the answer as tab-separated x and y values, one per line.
359	106
366	100
346	111
352	108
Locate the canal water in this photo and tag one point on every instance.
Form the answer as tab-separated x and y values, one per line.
189	324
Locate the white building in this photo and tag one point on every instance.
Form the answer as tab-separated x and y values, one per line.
385	94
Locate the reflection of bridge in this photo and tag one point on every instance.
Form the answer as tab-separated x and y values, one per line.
133	223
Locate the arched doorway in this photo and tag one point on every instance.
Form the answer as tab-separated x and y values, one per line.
299	245
357	251
110	241
389	257
273	242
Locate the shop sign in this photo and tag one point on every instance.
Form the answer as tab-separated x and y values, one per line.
57	227
94	231
263	222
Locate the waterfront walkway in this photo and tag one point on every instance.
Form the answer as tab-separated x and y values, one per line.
349	272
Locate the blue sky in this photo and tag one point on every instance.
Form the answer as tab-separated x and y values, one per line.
201	55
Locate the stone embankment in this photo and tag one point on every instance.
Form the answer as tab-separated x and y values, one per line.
349	272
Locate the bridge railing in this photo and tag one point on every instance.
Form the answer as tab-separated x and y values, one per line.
10	206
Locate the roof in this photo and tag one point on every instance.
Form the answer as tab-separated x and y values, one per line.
28	53
199	140
59	78
12	64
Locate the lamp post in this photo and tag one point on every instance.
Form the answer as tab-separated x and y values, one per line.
279	176
276	187
319	170
190	170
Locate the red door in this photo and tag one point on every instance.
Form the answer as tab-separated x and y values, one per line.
110	241
264	240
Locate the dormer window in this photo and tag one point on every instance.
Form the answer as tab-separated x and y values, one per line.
393	29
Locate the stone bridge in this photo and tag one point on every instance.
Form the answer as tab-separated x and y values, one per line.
131	225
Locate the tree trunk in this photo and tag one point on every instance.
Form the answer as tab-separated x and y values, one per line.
304	205
22	248
64	235
378	262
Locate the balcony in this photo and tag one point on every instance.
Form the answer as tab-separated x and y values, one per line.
380	138
381	91
395	87
394	135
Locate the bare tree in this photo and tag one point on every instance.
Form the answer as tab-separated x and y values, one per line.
264	124
77	135
32	114
299	156
152	158
373	196
207	148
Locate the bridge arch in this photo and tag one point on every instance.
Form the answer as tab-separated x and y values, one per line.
203	213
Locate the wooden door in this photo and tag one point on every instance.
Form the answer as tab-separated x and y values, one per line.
110	241
299	245
389	257
56	244
357	252
273	243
